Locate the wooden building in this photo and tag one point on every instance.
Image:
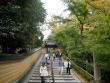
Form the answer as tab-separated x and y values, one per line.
50	44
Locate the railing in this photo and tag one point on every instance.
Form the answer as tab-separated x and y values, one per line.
82	71
52	70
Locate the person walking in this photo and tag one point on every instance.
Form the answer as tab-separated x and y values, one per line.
68	66
43	72
53	56
46	58
49	54
61	65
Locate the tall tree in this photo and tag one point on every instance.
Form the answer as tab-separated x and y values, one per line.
19	22
79	9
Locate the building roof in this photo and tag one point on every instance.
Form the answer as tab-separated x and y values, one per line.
50	43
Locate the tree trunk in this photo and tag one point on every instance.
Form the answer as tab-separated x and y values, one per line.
81	29
97	74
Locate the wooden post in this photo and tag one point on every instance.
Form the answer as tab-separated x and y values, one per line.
46	49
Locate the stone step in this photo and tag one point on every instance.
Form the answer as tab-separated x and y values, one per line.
64	78
58	67
66	81
35	75
60	74
56	81
57	71
36	68
36	71
56	78
39	81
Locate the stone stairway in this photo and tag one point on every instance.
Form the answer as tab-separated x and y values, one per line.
34	76
64	77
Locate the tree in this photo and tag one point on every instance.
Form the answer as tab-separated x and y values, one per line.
100	21
19	23
65	33
79	9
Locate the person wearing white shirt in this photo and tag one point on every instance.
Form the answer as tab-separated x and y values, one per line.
68	66
61	66
46	58
43	72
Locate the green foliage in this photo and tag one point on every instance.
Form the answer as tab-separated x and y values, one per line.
82	72
96	37
99	39
78	7
19	23
84	65
67	37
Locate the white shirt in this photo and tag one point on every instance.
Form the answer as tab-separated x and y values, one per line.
46	55
66	64
43	71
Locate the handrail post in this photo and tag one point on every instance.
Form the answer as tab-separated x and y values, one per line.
52	70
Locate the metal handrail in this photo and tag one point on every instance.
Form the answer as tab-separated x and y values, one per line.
80	68
52	71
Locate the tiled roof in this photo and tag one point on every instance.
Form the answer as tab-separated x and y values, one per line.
50	43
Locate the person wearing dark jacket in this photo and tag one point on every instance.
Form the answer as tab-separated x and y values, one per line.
68	66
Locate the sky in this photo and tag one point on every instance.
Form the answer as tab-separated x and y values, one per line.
53	7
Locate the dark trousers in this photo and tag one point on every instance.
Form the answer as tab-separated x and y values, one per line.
68	70
42	79
46	60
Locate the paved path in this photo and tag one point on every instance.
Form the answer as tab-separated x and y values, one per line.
34	76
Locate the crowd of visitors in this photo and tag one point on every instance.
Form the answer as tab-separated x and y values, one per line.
51	57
